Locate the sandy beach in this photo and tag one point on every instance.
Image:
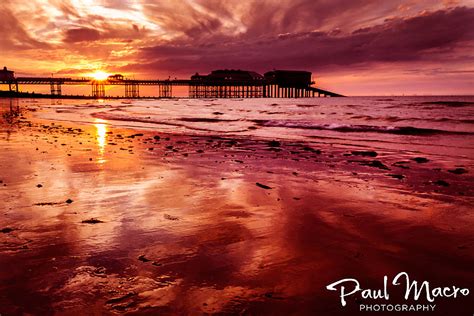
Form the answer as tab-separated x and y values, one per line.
99	218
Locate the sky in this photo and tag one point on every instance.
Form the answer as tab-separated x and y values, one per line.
354	47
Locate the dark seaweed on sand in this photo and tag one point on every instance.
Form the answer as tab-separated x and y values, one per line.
263	186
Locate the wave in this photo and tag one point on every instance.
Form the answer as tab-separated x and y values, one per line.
205	120
306	105
349	128
450	103
446	119
126	118
399	119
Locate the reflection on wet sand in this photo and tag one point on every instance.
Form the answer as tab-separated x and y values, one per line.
182	232
101	131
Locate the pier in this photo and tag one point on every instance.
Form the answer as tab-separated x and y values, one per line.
217	84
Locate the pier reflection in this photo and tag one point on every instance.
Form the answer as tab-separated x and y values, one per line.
10	110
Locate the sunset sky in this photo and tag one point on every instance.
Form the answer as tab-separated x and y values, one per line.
356	47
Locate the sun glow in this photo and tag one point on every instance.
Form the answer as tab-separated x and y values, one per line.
100	75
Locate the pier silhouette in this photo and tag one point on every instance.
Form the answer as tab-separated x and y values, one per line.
217	84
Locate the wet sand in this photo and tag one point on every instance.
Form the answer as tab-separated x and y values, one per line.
101	220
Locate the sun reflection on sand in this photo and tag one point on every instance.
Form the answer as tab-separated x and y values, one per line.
101	137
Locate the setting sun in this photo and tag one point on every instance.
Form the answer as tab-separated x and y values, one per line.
100	75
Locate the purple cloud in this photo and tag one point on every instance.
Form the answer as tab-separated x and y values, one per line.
81	35
427	37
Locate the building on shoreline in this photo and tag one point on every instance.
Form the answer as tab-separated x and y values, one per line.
6	75
228	75
289	78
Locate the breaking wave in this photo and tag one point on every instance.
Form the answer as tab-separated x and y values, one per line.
349	128
454	104
149	120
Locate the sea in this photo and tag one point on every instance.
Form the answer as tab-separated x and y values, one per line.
431	125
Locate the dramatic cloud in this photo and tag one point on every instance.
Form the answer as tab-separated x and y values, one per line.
13	34
81	35
398	40
428	37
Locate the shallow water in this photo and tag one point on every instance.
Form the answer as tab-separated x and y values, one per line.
431	125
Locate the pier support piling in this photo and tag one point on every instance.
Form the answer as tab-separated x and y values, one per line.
55	88
165	90
132	90
98	89
13	86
